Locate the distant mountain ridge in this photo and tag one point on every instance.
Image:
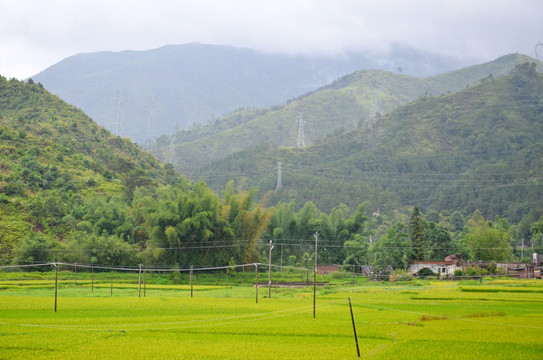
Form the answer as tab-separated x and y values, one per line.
351	101
145	94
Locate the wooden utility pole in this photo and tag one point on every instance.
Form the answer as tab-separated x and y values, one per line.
191	267
269	271
56	285
315	275
281	257
139	281
256	282
92	279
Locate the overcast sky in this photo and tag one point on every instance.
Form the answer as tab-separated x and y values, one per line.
35	34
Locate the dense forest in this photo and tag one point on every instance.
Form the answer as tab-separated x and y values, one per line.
72	191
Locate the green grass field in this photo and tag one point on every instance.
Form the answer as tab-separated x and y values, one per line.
498	319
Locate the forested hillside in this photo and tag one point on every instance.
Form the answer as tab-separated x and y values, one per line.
353	101
72	191
479	148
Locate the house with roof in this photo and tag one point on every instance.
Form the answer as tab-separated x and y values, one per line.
442	268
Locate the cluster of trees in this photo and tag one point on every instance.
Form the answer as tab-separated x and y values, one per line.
355	239
163	225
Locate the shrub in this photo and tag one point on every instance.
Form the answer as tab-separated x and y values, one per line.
426	272
400	275
472	271
458	273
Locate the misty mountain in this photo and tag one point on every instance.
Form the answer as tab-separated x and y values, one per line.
145	94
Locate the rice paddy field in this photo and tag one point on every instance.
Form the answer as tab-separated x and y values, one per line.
492	319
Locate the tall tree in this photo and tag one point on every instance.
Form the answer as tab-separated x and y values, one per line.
393	249
487	240
416	234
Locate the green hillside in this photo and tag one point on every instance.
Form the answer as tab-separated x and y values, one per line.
350	102
72	191
479	148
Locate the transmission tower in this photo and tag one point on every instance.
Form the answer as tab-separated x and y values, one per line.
171	157
539	51
150	141
301	138
118	128
279	176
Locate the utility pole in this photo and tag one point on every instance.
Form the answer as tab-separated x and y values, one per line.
281	257
279	176
301	137
56	285
139	281
191	269
256	282
269	271
315	274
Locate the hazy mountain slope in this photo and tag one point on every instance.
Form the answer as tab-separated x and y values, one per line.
345	104
195	83
479	148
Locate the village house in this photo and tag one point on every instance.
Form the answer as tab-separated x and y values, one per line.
454	262
442	268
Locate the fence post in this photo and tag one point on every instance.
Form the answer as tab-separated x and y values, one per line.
144	282
92	279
